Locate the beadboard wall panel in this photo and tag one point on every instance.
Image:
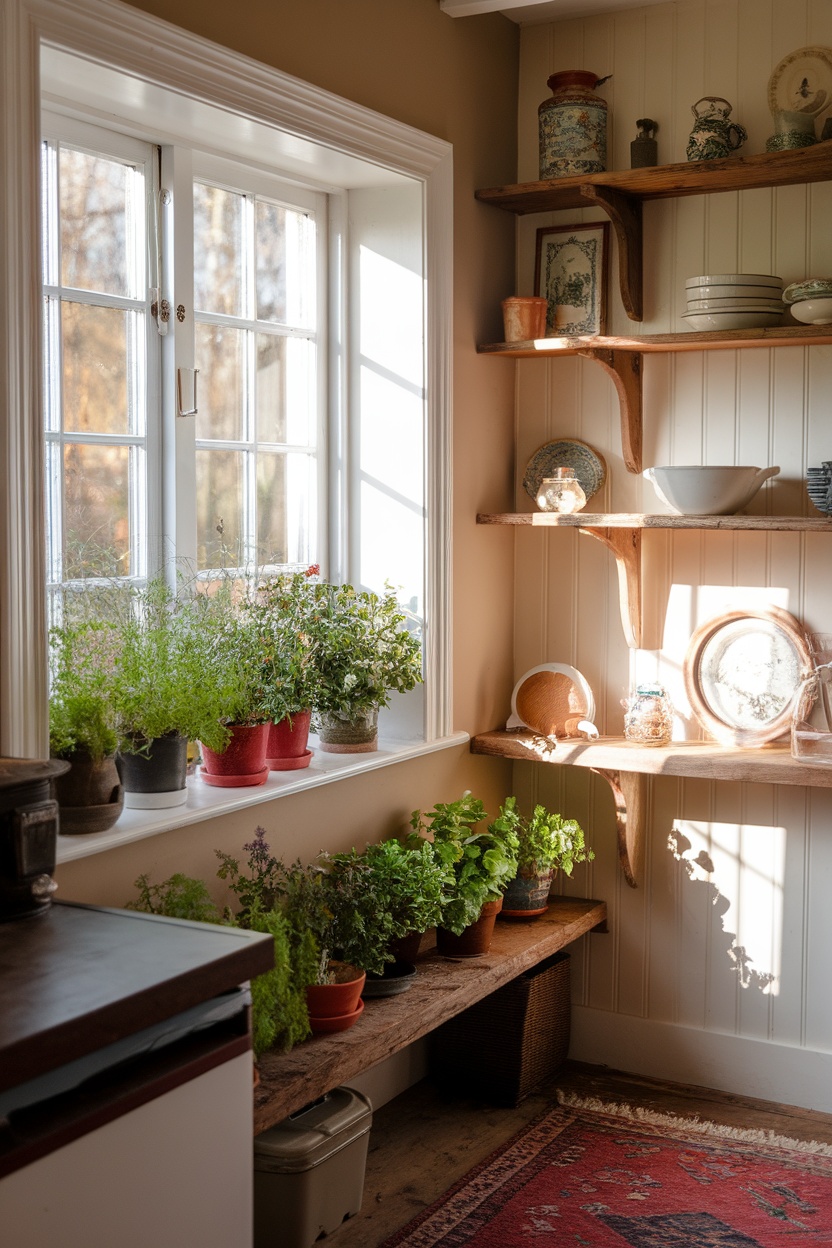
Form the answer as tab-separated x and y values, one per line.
727	934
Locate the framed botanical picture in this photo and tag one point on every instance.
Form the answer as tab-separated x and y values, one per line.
571	265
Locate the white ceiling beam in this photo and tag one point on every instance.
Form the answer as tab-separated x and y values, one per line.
466	8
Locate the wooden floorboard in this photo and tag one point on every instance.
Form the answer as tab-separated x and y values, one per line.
425	1140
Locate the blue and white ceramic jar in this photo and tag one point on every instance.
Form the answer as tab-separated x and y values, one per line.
573	126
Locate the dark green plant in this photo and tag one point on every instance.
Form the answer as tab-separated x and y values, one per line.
377	896
483	860
81	714
366	650
547	840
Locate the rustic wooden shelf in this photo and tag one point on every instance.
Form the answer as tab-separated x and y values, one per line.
624	765
621	533
442	989
621	193
690	340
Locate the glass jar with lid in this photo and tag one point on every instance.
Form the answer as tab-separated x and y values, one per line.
562	492
648	716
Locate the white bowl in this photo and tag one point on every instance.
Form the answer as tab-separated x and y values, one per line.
735	279
736	305
730	290
733	320
718	490
813	311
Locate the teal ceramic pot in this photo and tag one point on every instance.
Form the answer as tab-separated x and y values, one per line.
527	895
573	126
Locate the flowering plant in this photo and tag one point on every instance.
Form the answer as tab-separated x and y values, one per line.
366	650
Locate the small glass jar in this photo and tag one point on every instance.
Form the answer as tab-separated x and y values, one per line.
648	716
562	492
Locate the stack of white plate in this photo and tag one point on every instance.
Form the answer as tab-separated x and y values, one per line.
733	301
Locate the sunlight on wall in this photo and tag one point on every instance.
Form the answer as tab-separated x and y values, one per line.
391	449
744	867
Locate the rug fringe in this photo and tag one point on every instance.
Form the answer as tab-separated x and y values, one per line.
634	1113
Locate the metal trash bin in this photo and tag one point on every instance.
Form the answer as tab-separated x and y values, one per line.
309	1170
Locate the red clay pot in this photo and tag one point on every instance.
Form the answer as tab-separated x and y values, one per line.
406	949
286	749
474	941
242	762
338	999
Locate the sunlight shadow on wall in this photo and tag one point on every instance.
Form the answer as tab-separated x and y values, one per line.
743	866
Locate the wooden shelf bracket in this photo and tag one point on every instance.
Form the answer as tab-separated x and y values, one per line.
624	367
624	211
625	544
628	789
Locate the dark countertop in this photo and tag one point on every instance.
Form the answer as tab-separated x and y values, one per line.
80	977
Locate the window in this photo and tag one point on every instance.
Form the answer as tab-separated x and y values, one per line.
185	92
253	472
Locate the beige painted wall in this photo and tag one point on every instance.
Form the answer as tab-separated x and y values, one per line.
457	80
716	967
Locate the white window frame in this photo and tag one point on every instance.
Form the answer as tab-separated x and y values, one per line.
111	34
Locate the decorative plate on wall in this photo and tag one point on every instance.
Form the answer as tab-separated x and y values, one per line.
590	469
802	82
555	700
743	672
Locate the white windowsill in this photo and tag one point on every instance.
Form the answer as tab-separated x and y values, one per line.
206	802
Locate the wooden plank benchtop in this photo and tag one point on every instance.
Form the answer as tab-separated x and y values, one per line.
288	1081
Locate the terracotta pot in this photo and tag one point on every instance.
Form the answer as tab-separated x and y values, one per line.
286	749
338	735
338	999
527	895
156	780
242	762
474	941
524	317
90	795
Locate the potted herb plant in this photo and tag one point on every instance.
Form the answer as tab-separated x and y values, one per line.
161	696
234	638
366	652
483	859
289	611
402	889
548	843
82	727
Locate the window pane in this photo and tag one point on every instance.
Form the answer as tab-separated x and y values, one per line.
219	358
286	508
285	259
95	368
96	511
286	390
218	250
93	206
219	509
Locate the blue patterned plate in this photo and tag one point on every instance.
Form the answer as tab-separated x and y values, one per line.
590	469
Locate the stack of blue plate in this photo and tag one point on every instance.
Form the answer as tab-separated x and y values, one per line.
819	486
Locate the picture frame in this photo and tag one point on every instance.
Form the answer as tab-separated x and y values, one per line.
570	273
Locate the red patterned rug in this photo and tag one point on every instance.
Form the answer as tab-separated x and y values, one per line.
587	1175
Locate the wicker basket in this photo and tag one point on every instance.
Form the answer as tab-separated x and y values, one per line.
505	1045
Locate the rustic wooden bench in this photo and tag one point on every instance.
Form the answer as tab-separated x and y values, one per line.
442	989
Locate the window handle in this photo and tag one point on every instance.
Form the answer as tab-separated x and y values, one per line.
186	391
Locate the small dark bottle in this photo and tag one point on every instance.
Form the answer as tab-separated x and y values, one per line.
644	149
